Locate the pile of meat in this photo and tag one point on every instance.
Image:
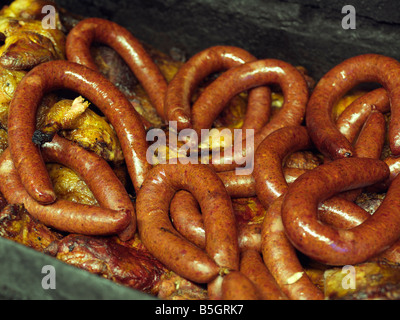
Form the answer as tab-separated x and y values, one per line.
302	205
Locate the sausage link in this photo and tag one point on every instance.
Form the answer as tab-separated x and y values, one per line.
97	89
97	174
272	183
268	172
237	185
246	76
351	120
334	84
370	141
91	30
281	258
369	144
252	266
341	213
187	219
340	246
237	286
165	243
214	59
62	215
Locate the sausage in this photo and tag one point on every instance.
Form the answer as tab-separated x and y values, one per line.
97	174
214	59
354	116
236	286
187	219
334	84
62	215
243	77
281	258
368	144
340	246
90	30
268	173
370	141
97	89
237	185
165	243
249	236
341	213
271	182
253	267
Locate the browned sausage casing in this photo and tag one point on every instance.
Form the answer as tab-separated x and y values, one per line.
62	215
354	116
166	244
236	286
63	74
281	258
253	266
214	59
91	30
334	84
97	174
246	76
339	246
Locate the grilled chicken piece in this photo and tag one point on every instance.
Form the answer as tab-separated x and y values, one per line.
31	10
366	281
105	257
26	42
68	185
18	225
73	120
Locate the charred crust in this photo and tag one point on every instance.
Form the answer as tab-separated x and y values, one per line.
39	137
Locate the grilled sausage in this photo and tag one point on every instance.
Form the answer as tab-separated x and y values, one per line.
214	59
243	77
91	30
252	266
351	120
334	84
97	89
97	174
370	141
62	215
339	246
281	258
165	243
236	286
268	172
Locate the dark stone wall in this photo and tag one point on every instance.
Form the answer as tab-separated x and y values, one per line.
307	32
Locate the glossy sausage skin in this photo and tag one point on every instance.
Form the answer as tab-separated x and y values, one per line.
246	76
91	30
97	174
252	266
281	258
339	246
165	243
62	215
334	84
97	89
370	141
187	219
236	286
268	172
351	120
180	90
